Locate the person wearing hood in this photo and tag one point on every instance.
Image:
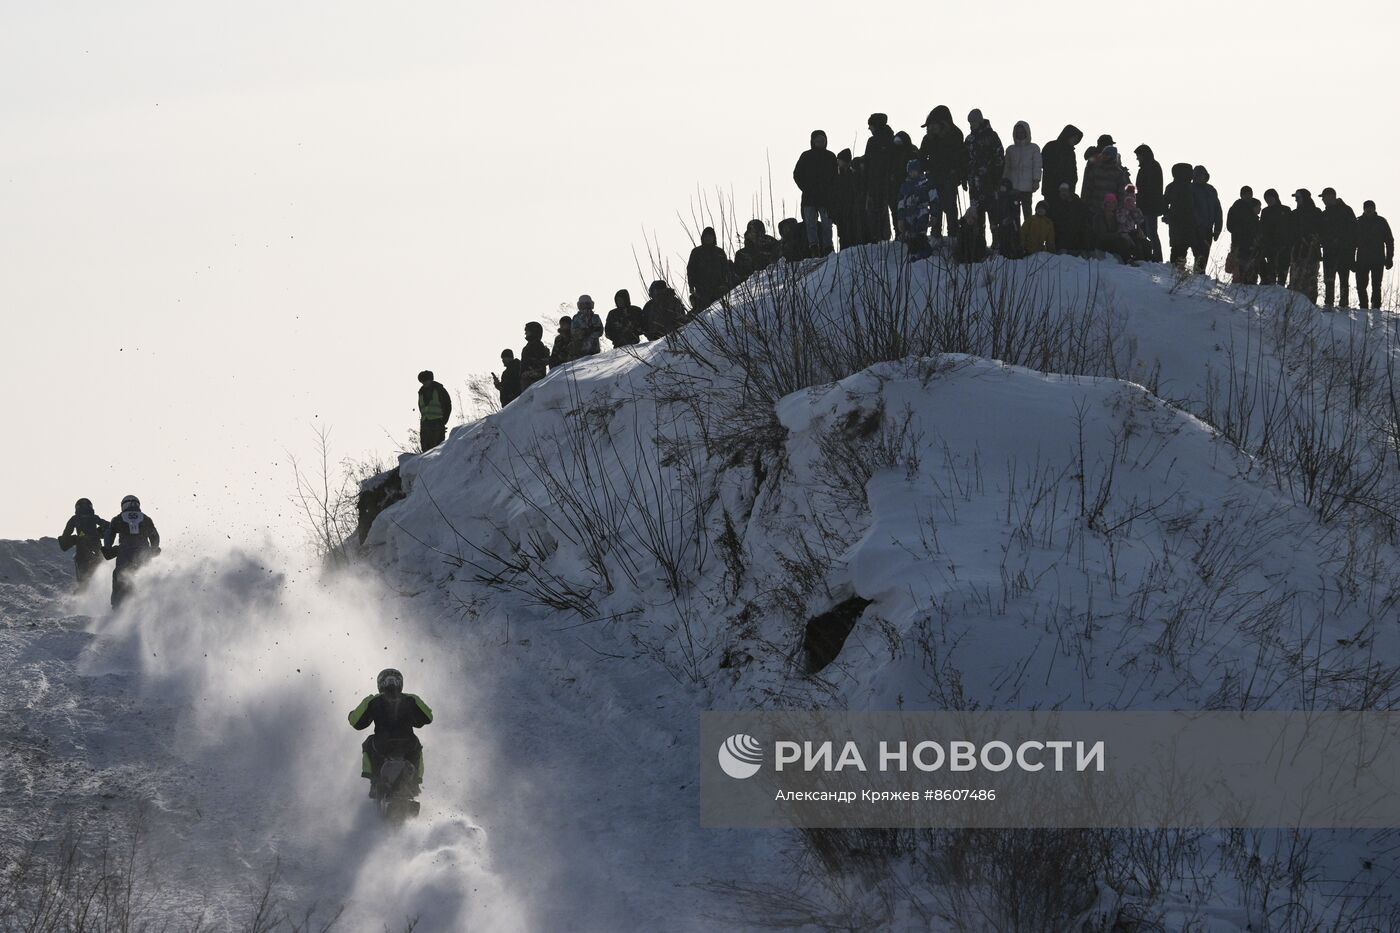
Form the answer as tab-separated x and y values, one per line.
587	329
1108	235
1179	211
709	272
534	358
84	535
1070	219
792	241
1024	166
944	152
623	326
918	201
1307	245
1338	245
848	200
664	311
1132	224
508	382
758	252
1242	222
563	349
1059	163
1275	240
1375	252
986	162
1209	215
972	238
434	408
133	540
1038	233
1149	197
815	175
880	166
1104	175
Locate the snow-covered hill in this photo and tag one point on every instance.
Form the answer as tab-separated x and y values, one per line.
858	484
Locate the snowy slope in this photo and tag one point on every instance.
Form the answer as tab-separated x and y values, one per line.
1033	473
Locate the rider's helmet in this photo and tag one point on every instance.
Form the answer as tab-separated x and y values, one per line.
389	682
83	507
131	504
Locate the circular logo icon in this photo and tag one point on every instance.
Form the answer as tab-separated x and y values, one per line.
741	756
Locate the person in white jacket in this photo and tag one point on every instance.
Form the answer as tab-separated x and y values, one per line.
1023	167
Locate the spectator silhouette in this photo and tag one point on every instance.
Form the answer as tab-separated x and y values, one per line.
1375	252
944	152
1275	240
623	326
1038	233
1244	226
434	408
508	382
986	162
534	358
1024	167
758	252
879	164
1338	245
709	271
563	350
1307	245
1060	165
1149	197
815	175
664	311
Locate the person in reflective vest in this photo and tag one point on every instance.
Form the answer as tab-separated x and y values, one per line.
434	408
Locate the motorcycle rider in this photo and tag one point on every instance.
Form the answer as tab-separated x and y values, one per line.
132	539
395	715
84	531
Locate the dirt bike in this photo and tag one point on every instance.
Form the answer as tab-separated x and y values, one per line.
395	785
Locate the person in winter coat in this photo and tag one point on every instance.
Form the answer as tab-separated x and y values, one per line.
434	408
815	175
1338	245
1108	236
1275	240
623	326
1149	197
1179	203
508	382
880	170
1071	221
1242	222
848	200
1038	233
563	350
1375	252
1104	175
587	329
986	162
902	153
1004	213
1060	165
394	715
1132	224
918	201
1307	245
709	271
534	358
664	311
972	238
1024	166
133	540
1209	215
758	252
792	241
85	533
944	152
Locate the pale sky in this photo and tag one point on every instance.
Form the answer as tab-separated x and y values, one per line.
222	225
